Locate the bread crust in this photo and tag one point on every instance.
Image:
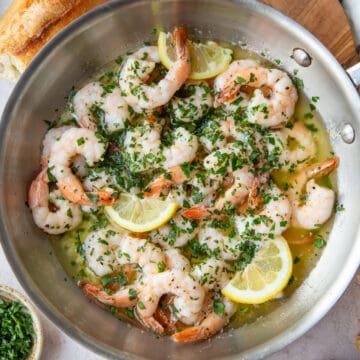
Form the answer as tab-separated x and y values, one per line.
28	25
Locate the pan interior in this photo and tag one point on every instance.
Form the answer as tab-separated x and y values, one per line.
76	54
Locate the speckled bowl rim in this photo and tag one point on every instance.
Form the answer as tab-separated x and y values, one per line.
12	294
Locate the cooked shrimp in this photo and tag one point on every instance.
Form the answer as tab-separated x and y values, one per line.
162	183
195	105
213	323
65	215
140	65
218	242
236	98
176	233
273	101
316	206
148	256
51	137
77	142
203	186
183	149
202	212
106	250
210	326
79	166
299	143
274	217
242	178
100	250
189	296
176	261
98	179
239	190
144	151
110	101
239	186
219	131
212	274
123	297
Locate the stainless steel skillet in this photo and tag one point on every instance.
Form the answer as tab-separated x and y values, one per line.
94	40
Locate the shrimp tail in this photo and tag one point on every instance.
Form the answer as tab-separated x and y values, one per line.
211	325
182	53
73	191
153	324
322	168
181	46
38	191
229	93
118	299
254	200
161	185
196	213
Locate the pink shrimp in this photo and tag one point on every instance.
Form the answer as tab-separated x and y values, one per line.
121	298
63	216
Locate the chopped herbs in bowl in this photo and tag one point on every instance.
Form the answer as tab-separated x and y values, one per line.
20	329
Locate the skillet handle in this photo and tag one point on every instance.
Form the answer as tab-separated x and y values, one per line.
352	9
354	73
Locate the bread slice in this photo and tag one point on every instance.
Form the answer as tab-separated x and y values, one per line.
28	25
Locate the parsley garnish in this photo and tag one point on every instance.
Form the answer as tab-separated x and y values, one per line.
219	308
16	331
93	198
80	141
132	294
161	266
298	82
319	242
141	305
186	169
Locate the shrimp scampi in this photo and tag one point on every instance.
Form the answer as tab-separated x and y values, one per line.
62	216
181	182
93	97
272	103
138	68
77	142
315	207
194	105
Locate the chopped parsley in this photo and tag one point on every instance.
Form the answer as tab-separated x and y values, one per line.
132	294
319	242
16	331
80	141
339	207
161	267
298	82
141	305
219	308
312	127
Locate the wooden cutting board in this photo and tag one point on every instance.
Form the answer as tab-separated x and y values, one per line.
326	19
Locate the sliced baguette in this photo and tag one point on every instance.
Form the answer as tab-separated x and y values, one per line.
28	25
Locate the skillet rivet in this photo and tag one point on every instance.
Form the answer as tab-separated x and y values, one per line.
302	57
348	134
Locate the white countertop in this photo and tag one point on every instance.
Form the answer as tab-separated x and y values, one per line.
332	338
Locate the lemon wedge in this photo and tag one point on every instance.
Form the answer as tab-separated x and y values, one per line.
265	277
207	59
140	215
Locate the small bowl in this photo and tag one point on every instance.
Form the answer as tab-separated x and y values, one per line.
8	293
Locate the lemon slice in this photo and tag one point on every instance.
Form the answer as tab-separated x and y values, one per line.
266	276
207	60
140	215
